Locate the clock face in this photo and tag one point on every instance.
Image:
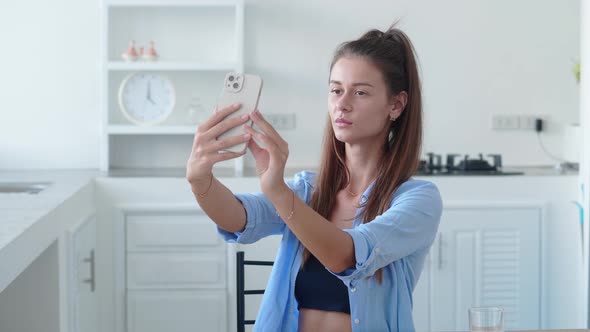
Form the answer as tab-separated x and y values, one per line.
146	98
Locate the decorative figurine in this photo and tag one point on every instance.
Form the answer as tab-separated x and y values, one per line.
131	53
150	54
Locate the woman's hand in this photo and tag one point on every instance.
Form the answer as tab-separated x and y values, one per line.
206	148
270	160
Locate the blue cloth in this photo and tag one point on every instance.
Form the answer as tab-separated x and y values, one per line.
396	241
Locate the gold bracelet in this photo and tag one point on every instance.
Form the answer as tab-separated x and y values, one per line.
292	207
206	191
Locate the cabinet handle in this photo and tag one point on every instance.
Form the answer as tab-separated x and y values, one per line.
440	251
91	280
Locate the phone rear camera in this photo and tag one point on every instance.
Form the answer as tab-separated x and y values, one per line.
231	78
236	85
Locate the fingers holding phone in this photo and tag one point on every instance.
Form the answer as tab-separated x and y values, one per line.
208	144
220	137
222	121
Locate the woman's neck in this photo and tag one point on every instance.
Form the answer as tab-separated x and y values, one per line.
363	166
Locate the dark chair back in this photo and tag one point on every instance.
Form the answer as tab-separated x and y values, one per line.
241	292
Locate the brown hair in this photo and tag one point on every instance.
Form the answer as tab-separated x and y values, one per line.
393	53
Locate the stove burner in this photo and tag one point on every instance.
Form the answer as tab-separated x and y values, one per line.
466	166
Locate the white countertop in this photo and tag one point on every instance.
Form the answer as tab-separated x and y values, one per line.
289	172
18	212
26	225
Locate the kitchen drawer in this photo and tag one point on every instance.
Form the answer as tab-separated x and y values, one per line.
171	231
176	311
176	270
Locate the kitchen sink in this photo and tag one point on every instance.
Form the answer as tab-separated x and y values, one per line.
23	187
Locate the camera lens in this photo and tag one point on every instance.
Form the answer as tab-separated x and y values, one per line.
231	78
236	85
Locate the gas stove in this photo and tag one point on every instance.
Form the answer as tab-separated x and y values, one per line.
457	164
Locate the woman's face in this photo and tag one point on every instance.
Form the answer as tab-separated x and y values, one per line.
358	102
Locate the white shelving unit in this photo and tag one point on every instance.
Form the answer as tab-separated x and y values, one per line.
198	42
169	66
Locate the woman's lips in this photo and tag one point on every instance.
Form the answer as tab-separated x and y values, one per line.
341	122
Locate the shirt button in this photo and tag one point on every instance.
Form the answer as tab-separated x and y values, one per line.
363	199
356	321
353	289
377	249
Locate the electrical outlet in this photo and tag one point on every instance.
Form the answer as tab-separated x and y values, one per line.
527	121
505	122
281	121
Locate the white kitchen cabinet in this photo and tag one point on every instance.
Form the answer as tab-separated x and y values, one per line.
198	42
484	255
176	310
82	285
175	275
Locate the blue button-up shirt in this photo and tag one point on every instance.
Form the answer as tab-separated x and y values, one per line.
396	241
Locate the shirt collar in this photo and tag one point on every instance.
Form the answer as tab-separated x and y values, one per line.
366	193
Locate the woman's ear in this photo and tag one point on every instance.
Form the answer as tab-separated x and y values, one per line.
398	105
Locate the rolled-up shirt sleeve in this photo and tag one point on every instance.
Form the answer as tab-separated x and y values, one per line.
261	216
410	224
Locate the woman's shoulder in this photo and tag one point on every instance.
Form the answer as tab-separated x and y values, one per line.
417	188
418	195
412	183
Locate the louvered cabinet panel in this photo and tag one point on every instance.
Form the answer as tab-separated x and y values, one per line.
486	257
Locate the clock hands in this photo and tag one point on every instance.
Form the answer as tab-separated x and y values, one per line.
149	95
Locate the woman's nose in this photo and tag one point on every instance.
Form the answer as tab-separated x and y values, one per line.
343	108
343	104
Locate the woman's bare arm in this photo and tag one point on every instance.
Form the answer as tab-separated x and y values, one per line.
220	204
215	199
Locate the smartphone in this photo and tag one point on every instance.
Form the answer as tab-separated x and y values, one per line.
244	89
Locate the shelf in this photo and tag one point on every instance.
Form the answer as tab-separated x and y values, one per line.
169	66
171	3
151	130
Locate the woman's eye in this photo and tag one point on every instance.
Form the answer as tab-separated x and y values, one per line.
335	91
361	93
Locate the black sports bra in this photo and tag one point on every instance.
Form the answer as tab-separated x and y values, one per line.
317	288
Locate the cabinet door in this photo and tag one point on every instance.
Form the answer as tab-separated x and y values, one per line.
84	306
176	271
176	311
486	257
421	297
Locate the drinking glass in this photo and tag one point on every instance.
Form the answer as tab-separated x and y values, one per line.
488	319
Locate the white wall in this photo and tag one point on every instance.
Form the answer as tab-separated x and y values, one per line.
477	57
49	84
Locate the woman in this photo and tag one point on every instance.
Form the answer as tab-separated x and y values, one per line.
355	235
